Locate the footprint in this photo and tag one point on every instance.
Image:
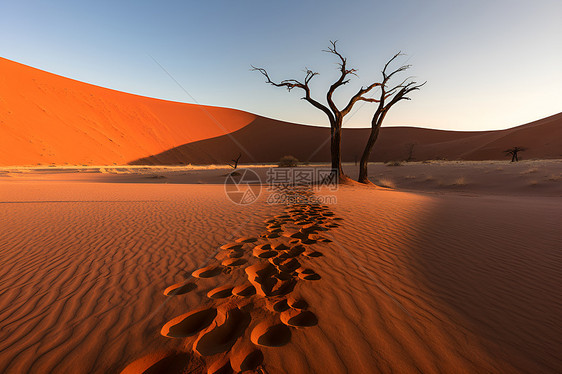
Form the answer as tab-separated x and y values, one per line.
221	366
263	246
298	318
220	292
293	252
180	288
297	303
246	239
288	264
277	305
312	227
309	241
261	277
283	287
244	290
235	254
189	324
228	326
270	335
246	358
313	276
264	253
312	253
232	246
207	272
280	247
234	262
161	362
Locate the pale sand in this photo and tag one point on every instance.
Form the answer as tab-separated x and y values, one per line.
412	281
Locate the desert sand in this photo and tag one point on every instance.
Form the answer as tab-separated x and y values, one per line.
153	269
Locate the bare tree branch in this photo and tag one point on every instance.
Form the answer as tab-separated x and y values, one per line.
293	83
342	80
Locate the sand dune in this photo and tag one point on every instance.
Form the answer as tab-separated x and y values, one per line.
48	119
154	277
266	140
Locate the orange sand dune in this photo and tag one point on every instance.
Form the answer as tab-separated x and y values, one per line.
46	118
267	140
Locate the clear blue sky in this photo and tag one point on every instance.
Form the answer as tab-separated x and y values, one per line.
489	64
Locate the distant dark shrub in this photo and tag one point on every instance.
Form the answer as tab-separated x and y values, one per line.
288	162
393	163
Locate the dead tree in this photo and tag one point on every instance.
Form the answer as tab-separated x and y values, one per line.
334	114
388	97
410	148
513	152
234	164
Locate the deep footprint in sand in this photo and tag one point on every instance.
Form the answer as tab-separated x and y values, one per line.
244	290
233	246
298	318
220	292
297	303
227	327
234	262
221	366
160	362
180	289
189	324
312	253
235	254
271	334
246	357
277	305
246	239
264	251
207	272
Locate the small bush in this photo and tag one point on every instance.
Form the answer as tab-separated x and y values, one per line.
386	182
393	163
460	181
288	162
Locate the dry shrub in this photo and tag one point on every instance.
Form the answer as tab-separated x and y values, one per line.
393	163
386	182
288	162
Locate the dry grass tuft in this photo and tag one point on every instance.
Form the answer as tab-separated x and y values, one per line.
393	163
460	181
529	171
385	182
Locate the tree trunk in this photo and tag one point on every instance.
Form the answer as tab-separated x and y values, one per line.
335	151
375	127
363	165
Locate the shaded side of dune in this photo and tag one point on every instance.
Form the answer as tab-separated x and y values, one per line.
267	140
